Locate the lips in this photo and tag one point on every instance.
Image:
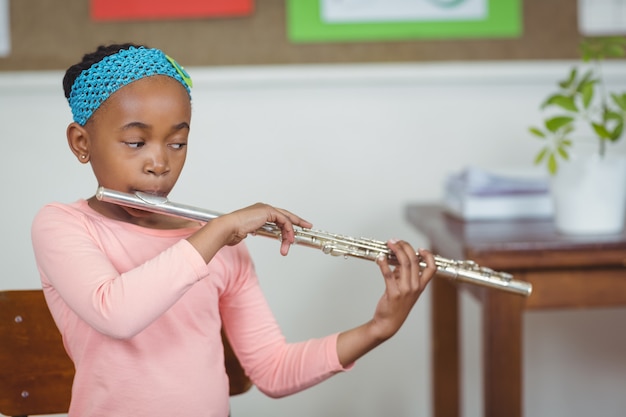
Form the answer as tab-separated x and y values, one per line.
157	193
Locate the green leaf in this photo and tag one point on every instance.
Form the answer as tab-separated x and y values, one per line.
587	94
542	154
616	40
601	131
600	48
566	84
586	79
556	123
563	152
535	131
612	115
617	132
614	51
620	100
562	101
552	164
588	49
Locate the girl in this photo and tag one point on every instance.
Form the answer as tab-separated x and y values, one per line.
140	298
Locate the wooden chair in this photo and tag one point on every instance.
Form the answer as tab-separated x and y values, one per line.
35	372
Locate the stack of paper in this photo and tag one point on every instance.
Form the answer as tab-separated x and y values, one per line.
475	194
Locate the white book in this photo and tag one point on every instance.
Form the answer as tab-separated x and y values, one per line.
500	207
474	194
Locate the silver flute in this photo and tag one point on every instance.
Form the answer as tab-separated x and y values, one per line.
466	271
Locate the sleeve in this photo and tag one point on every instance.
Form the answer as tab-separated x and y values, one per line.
73	263
276	367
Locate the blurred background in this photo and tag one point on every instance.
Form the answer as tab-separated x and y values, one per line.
344	113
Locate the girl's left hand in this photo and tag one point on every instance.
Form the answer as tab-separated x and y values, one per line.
404	284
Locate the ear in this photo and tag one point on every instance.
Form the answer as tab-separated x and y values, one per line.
78	140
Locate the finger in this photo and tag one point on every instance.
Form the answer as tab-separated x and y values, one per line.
385	269
283	222
431	267
295	219
416	270
286	220
287	237
284	247
404	253
411	272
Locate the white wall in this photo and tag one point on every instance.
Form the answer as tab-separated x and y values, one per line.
347	147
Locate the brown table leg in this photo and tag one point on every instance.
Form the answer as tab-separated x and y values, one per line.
445	348
502	354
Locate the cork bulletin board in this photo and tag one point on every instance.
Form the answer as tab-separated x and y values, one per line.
50	34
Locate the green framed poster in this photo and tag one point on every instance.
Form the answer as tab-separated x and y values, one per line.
501	19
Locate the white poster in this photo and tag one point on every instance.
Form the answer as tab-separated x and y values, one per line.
5	32
362	11
602	17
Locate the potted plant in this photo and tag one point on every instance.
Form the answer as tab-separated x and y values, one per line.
584	121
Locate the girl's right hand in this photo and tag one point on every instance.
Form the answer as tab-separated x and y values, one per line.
250	219
232	228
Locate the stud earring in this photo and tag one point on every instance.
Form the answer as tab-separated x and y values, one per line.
83	156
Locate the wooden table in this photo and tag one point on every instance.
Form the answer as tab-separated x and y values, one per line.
565	271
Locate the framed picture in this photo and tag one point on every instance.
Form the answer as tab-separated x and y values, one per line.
378	20
118	10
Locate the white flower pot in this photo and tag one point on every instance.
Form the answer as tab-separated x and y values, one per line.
590	195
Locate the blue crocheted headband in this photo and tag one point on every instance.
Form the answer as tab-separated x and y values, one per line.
95	84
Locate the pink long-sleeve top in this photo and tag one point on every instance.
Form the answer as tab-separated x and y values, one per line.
140	313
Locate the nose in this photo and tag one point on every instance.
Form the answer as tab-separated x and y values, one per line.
157	162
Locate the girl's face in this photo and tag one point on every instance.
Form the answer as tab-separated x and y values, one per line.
137	141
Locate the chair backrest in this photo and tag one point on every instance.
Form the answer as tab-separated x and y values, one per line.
35	372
